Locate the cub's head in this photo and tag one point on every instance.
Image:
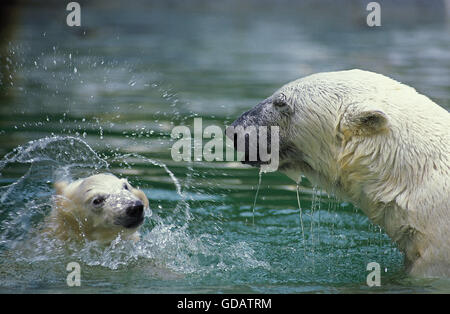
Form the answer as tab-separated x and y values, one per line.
99	207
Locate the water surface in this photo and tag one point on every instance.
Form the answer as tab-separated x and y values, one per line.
104	97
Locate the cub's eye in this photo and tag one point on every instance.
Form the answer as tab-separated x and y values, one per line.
98	201
125	186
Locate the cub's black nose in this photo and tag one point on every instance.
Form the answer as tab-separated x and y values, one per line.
135	210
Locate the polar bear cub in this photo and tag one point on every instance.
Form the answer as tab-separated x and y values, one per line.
97	208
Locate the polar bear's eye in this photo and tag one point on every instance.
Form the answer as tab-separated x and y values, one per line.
98	201
125	186
280	102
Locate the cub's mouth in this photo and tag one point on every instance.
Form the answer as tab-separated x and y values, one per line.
132	223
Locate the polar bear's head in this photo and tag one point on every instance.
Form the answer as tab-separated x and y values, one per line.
350	129
315	116
99	207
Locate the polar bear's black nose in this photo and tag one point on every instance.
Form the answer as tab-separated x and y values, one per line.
135	210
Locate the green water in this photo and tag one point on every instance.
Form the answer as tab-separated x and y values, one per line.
104	97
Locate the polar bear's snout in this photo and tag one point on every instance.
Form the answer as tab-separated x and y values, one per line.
244	143
133	215
255	134
135	210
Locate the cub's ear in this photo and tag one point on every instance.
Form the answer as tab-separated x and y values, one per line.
60	186
141	195
366	123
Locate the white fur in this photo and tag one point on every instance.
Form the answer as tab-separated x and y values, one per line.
74	215
394	165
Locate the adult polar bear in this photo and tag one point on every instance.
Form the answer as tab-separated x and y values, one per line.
375	142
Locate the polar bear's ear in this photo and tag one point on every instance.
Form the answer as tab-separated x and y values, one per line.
367	122
60	186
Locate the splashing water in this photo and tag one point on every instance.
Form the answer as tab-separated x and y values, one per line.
166	248
25	201
42	161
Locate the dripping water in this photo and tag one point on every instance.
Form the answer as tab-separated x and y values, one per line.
301	213
256	196
313	204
